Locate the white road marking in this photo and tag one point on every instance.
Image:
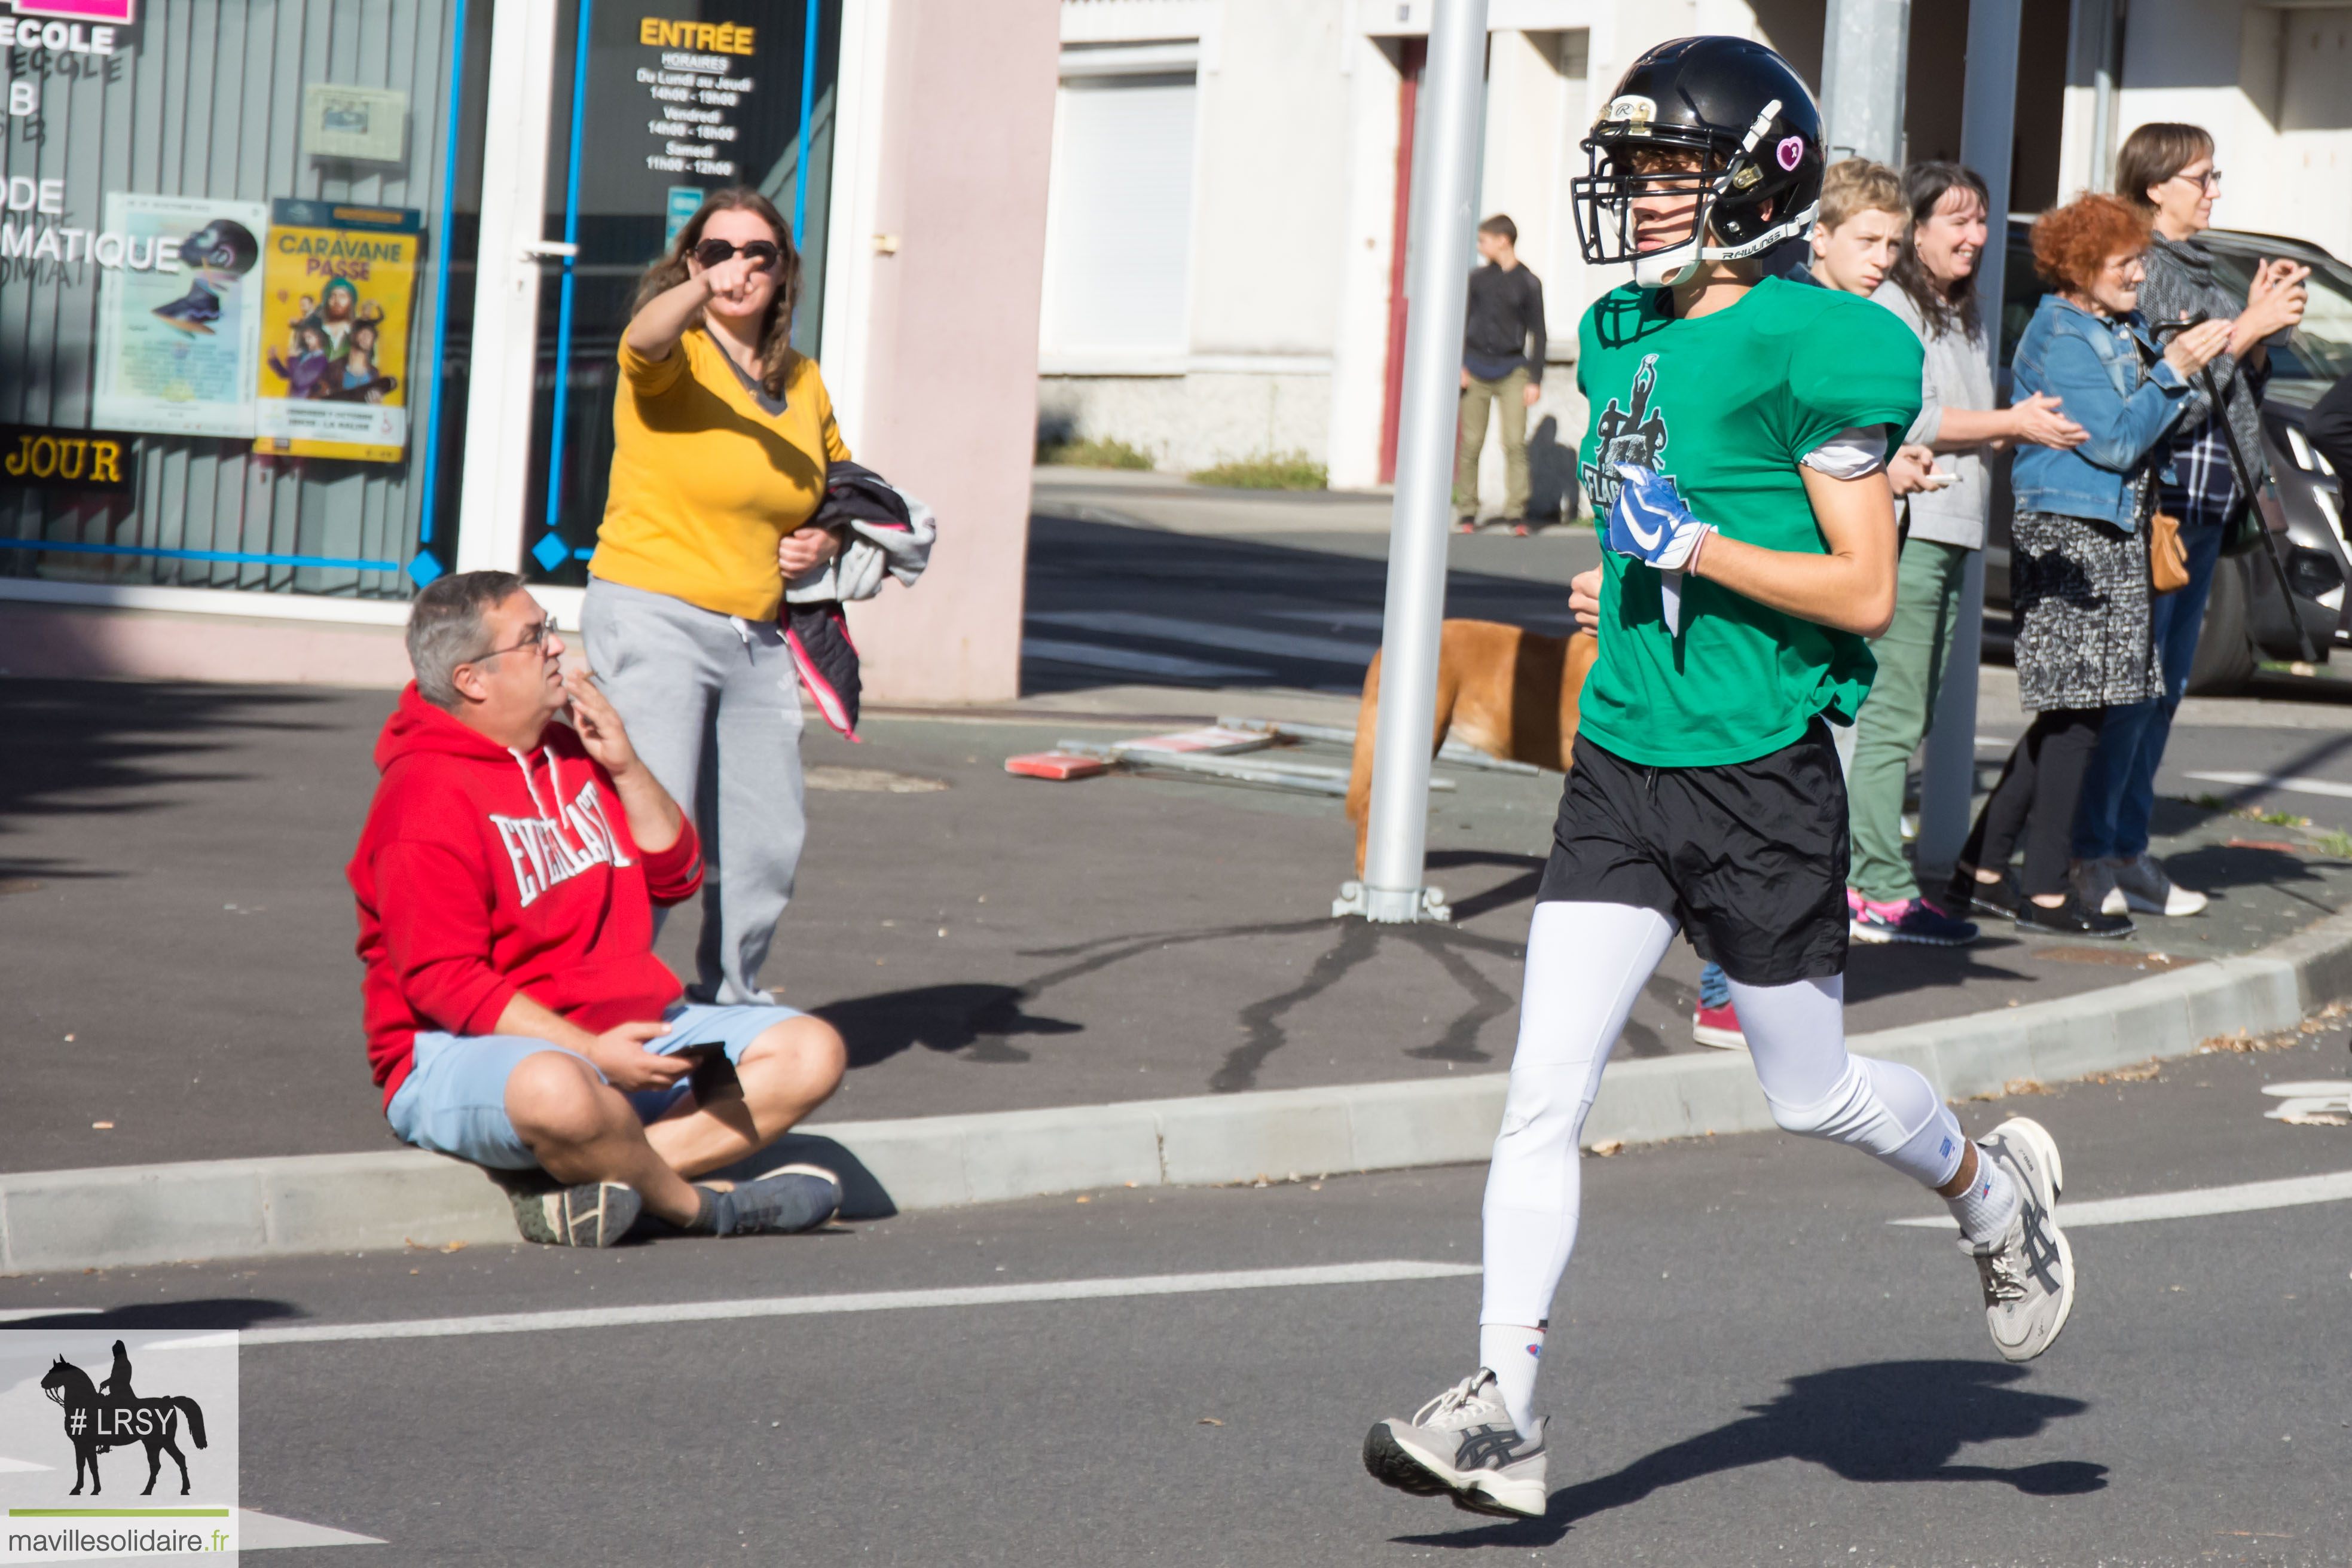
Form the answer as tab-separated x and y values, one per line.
1209	634
258	1531
2293	784
19	1315
861	1302
1133	661
2333	1187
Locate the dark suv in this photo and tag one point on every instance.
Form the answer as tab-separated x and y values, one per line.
2245	622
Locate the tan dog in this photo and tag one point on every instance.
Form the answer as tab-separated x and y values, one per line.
1509	692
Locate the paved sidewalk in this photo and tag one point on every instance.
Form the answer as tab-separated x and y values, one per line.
180	934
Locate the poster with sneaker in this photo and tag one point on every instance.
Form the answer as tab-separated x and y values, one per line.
179	339
338	288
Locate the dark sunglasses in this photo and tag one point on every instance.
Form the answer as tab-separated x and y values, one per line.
762	252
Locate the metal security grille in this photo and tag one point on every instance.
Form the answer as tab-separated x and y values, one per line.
206	98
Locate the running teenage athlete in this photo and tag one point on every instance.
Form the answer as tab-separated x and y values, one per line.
1737	452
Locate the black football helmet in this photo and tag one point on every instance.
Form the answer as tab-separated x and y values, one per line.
1747	118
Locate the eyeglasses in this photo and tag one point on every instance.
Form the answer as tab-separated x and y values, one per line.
534	641
2210	180
762	253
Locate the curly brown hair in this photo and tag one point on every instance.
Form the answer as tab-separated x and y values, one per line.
776	326
2071	244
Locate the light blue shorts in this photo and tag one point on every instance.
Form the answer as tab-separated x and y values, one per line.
453	1101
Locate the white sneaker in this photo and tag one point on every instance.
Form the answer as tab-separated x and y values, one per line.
2028	1274
1463	1443
2138	883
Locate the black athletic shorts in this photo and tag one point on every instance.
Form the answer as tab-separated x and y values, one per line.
1749	858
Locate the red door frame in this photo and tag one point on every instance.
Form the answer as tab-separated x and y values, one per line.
1411	56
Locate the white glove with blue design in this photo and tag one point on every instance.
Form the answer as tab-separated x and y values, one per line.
1650	523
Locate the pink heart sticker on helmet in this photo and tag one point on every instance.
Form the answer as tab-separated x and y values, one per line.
1790	151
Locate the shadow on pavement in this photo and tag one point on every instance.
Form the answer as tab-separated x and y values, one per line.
74	745
204	1312
1519	889
1889	1421
972	1018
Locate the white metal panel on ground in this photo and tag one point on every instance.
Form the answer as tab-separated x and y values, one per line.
1119	239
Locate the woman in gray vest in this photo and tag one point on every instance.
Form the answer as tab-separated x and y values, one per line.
1934	288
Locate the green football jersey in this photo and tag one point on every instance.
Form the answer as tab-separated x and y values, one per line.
1728	405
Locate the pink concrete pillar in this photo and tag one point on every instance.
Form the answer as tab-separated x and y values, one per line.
951	406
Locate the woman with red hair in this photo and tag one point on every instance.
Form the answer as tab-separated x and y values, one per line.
2079	586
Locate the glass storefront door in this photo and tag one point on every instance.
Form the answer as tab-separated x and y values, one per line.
656	104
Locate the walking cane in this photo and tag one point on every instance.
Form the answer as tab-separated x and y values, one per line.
2244	474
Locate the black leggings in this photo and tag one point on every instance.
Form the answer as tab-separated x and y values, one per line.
2035	798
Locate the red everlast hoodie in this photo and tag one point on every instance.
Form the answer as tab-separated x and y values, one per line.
484	872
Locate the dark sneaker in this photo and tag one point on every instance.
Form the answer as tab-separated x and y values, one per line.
1463	1443
1965	894
594	1214
2072	918
194	311
1910	920
787	1199
2028	1274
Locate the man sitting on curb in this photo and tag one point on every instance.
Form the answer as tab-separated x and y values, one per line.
517	1016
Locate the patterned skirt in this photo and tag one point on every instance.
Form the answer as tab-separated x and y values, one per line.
2079	589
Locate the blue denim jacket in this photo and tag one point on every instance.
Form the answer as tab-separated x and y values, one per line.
2093	367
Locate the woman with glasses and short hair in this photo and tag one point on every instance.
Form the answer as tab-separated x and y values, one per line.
2079	556
2167	172
722	435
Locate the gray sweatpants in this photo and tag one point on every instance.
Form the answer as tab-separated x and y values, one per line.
712	704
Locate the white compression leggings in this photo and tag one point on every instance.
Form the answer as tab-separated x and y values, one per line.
1586	963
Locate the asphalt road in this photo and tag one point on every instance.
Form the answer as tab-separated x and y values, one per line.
1750	1366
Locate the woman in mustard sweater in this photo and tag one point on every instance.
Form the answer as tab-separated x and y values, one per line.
722	433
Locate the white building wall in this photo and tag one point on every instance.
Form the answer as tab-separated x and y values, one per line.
1293	213
2274	85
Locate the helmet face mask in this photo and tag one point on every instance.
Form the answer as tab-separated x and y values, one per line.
1722	120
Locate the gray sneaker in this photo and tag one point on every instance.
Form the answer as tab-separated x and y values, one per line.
2028	1274
2139	884
1463	1443
780	1202
594	1214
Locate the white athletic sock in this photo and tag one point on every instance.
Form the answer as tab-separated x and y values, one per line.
1992	1201
1513	1353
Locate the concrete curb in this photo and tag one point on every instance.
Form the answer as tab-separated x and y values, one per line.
122	1216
